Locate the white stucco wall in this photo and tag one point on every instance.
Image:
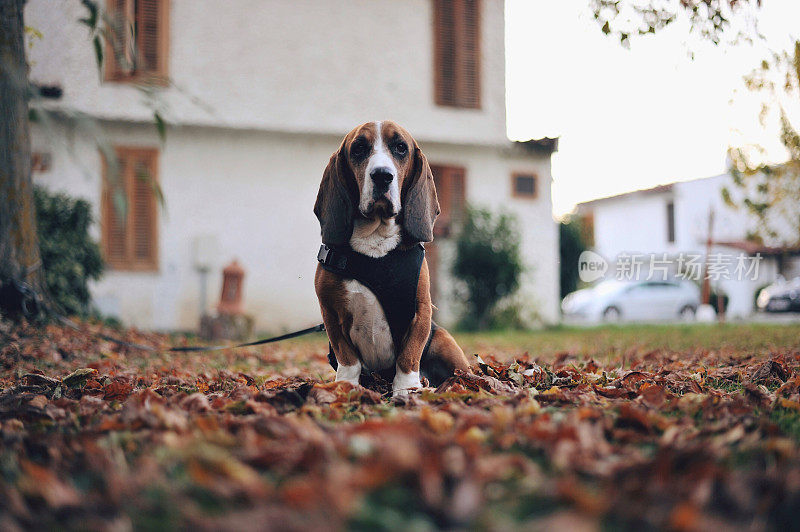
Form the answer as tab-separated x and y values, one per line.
253	193
637	223
286	65
693	201
631	224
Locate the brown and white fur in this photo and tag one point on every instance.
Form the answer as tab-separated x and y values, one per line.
377	193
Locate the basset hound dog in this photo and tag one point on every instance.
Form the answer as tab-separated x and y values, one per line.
376	204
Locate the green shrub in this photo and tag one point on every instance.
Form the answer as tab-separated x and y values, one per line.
571	245
69	257
488	264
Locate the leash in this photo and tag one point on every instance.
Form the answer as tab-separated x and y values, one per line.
295	334
197	348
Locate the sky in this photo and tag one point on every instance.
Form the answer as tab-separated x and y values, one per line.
632	118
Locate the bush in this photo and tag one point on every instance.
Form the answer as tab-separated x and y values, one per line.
488	263
69	257
571	245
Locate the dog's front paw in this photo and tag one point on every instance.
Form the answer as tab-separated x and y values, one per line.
349	374
404	383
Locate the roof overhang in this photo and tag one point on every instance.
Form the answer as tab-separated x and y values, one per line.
544	145
660	189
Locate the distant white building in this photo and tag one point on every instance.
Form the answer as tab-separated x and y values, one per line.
257	94
673	219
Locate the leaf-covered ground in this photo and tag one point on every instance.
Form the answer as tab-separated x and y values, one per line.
669	427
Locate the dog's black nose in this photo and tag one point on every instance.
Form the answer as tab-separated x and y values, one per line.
381	175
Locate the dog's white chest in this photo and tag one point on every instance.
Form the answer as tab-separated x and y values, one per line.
370	331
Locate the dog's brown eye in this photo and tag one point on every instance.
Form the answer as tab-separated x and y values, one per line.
401	148
359	150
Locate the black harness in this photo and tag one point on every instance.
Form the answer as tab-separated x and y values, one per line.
393	279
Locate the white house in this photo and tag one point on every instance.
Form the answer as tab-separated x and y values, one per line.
673	219
256	95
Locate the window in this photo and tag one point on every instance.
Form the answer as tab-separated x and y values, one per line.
41	161
451	190
670	222
129	213
523	185
137	40
456	38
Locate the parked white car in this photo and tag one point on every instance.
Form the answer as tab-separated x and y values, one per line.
614	301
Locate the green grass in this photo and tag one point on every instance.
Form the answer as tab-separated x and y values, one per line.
605	341
725	385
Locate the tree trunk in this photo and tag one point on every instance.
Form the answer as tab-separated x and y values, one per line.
19	245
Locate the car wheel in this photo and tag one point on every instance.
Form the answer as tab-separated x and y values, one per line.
687	313
612	315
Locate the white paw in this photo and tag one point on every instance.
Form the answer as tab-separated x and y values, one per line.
349	374
405	382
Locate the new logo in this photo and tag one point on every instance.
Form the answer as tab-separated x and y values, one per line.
591	266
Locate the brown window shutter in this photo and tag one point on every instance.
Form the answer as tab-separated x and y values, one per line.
458	196
445	52
138	44
441	180
451	190
143	211
119	57
470	55
588	228
456	26
130	230
115	241
149	29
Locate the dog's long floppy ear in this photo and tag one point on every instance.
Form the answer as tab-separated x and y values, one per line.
334	206
421	206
